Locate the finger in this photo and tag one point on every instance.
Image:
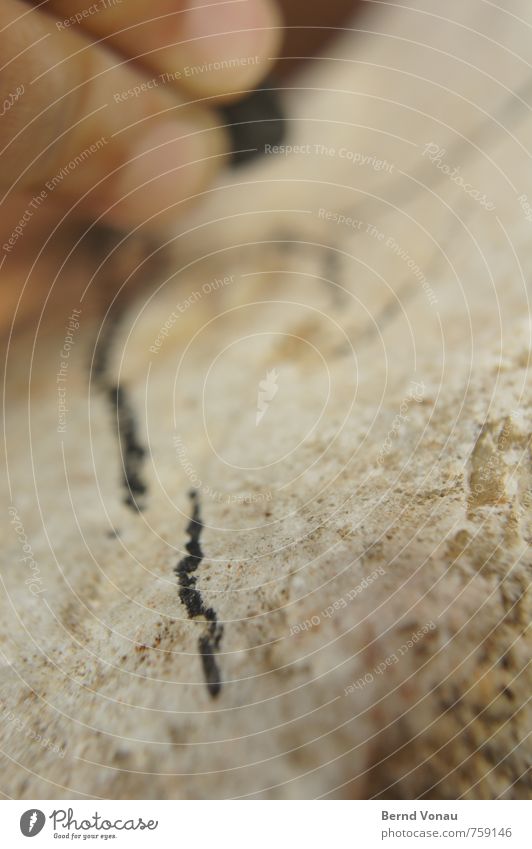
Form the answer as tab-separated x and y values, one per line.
207	47
68	137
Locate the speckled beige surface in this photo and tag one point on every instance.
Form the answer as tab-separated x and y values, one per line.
365	546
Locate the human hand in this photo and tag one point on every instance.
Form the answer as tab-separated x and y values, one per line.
108	104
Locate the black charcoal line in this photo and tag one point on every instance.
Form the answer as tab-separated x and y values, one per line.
132	452
190	596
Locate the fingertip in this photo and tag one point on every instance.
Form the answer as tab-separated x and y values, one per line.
229	45
166	168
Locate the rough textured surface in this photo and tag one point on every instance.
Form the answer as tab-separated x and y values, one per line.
324	589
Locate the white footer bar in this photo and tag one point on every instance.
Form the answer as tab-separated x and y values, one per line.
268	824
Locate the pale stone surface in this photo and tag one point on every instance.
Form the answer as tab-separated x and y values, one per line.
384	496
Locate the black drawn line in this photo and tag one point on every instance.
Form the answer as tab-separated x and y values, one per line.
190	596
132	452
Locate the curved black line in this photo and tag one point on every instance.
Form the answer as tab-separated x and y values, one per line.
132	452
190	596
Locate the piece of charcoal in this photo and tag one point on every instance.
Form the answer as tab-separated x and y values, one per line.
255	121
